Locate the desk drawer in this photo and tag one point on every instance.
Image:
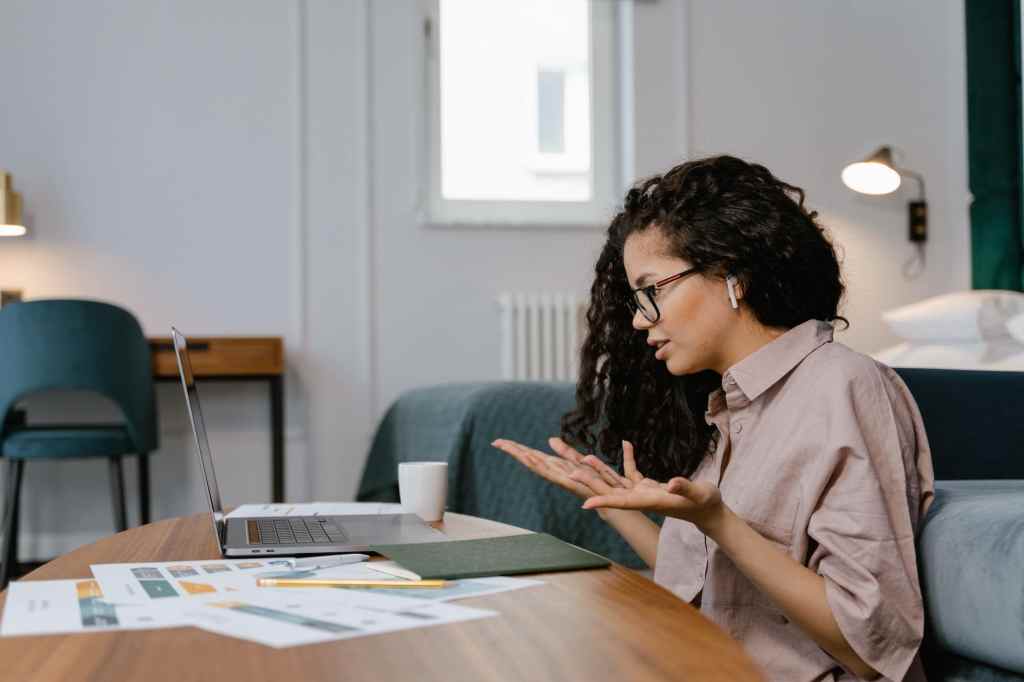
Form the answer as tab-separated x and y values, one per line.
212	356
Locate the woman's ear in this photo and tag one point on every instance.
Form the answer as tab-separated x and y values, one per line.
730	284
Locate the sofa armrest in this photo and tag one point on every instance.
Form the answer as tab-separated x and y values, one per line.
971	554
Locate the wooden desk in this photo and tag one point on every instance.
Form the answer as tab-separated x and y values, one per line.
607	624
233	359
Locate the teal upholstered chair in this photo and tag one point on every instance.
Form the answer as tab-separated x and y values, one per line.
81	346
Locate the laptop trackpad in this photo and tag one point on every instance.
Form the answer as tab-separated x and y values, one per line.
387	529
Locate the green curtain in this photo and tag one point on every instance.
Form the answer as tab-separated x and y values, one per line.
994	143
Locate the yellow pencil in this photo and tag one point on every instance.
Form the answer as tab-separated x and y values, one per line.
313	582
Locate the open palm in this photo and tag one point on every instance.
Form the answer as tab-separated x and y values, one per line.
679	497
557	469
601	487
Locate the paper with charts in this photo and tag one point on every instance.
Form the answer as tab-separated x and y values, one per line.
277	618
167	581
282	618
162	581
373	570
149	582
40	607
222	596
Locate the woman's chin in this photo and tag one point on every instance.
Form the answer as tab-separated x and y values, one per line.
680	365
677	367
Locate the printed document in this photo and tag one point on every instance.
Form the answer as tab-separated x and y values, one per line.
41	607
282	618
162	581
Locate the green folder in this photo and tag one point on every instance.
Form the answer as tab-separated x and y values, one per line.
510	555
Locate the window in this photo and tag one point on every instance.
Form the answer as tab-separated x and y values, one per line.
551	111
523	112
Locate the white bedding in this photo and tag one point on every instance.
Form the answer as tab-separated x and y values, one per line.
979	329
1001	355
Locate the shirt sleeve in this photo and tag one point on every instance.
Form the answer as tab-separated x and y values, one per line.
863	526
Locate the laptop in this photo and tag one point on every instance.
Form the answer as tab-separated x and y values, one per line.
289	535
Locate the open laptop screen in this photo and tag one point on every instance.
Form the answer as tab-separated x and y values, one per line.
195	414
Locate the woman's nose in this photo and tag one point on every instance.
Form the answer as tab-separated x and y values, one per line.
641	322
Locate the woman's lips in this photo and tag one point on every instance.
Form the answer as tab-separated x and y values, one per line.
660	354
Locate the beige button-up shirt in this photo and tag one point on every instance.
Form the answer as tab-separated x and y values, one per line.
826	456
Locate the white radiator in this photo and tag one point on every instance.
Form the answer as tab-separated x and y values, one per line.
541	335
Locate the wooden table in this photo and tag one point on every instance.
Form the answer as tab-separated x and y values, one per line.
607	624
222	358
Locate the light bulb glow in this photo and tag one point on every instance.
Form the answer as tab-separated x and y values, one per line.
871	177
12	230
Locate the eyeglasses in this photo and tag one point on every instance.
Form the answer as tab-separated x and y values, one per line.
643	299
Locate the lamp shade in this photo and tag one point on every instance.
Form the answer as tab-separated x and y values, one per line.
11	224
873	175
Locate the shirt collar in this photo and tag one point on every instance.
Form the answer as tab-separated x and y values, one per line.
763	368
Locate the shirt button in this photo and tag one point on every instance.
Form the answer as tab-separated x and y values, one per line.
737	429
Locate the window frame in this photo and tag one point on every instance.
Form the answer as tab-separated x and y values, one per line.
605	133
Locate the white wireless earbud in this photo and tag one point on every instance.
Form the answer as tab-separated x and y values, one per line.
730	284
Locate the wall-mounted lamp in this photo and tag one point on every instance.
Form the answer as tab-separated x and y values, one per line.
877	174
11	224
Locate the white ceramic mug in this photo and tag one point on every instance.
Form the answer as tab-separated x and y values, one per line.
423	488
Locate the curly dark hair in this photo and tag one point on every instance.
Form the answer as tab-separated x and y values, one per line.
726	217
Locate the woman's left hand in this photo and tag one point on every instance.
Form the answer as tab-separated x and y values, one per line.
699	503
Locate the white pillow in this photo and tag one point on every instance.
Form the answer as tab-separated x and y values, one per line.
964	316
1015	326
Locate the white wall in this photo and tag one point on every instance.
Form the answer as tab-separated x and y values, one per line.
152	146
807	87
802	87
200	165
251	167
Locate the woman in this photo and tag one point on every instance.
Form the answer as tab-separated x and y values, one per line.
792	470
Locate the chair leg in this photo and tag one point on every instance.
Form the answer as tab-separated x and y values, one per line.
16	524
144	508
13	471
117	494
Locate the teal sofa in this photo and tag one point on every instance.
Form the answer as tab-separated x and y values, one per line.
970	548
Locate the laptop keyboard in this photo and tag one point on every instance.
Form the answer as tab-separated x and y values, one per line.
298	531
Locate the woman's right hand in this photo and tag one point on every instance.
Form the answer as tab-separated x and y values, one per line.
583	475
